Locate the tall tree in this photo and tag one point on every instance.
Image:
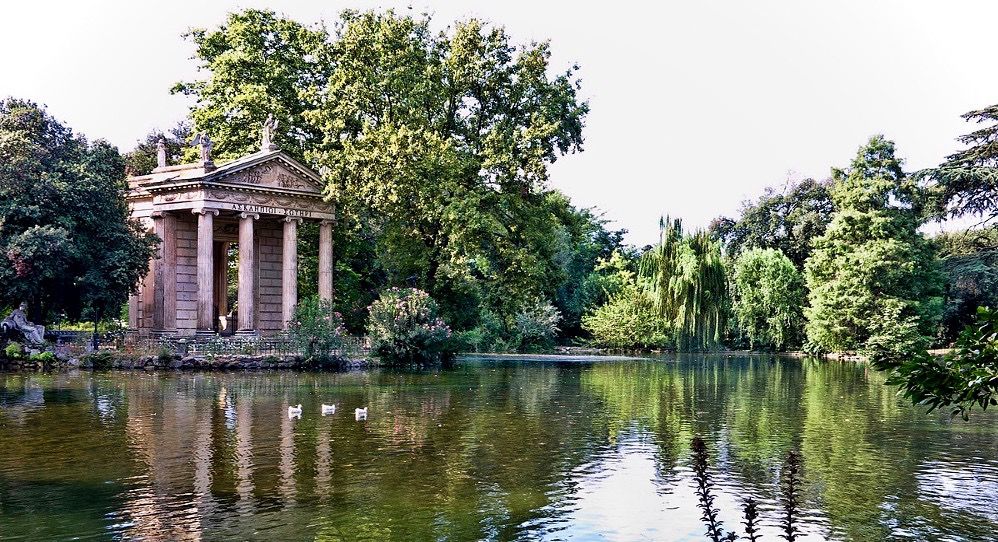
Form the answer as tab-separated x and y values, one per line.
688	283
258	64
768	298
68	245
787	221
967	181
435	143
873	278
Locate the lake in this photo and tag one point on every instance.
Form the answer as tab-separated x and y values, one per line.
493	449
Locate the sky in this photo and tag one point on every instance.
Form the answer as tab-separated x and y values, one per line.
696	106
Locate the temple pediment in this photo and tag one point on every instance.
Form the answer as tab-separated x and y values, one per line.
276	171
265	182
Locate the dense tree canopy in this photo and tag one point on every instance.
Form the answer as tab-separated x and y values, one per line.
688	283
970	265
769	298
787	221
258	64
873	279
967	181
68	245
435	145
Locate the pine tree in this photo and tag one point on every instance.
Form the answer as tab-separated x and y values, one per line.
967	182
873	278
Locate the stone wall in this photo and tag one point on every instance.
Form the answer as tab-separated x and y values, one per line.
268	287
187	274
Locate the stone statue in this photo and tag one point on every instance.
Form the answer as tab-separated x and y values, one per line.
18	322
204	141
269	127
161	153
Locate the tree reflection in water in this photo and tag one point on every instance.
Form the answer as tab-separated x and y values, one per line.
498	450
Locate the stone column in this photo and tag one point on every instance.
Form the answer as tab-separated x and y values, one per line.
289	269
206	283
326	260
156	269
168	269
247	269
147	295
133	311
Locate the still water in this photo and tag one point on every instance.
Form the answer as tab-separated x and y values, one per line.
493	449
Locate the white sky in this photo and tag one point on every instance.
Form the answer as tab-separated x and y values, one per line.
696	104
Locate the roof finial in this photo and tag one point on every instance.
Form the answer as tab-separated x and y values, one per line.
267	139
161	152
204	141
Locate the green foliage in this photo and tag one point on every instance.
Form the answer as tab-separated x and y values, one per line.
768	299
970	265
404	328
537	326
787	221
436	147
260	64
99	360
13	350
316	329
960	380
45	357
688	284
967	181
873	278
628	320
69	247
142	159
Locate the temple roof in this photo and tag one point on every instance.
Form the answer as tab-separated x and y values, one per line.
182	175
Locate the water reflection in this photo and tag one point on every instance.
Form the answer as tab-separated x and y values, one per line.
491	450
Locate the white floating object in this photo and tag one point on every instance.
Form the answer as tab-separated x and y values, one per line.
294	411
328	409
360	413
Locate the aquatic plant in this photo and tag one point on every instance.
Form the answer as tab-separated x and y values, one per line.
790	497
705	496
790	484
751	517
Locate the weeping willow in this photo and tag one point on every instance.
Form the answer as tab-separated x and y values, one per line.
688	283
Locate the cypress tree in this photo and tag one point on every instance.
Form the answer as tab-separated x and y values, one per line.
874	281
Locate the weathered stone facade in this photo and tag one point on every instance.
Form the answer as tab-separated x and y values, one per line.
201	210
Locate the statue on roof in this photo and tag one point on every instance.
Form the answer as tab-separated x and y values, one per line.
204	142
267	139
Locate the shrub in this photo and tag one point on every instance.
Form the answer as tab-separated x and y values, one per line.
317	330
537	325
628	320
45	357
165	353
102	359
490	335
404	328
14	350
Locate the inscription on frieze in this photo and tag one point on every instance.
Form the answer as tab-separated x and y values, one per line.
270	210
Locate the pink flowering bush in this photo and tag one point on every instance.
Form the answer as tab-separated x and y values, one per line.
317	330
404	328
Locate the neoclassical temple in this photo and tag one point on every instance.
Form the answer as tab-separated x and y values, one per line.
251	206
